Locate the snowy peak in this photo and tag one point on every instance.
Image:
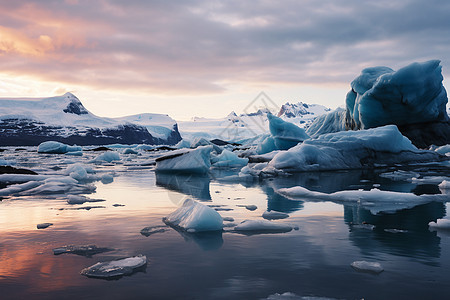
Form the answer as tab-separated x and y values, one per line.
75	106
301	109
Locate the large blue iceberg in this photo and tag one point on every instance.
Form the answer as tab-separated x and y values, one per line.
381	96
413	98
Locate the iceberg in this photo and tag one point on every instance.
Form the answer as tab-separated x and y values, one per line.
57	148
262	226
284	135
351	150
195	217
413	94
228	159
366	266
80	172
328	123
186	161
115	268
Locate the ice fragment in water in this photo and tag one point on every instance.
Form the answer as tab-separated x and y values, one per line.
115	268
262	226
274	215
440	224
84	250
195	217
147	231
56	148
43	225
186	161
367	266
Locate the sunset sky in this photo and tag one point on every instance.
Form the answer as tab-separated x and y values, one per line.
207	58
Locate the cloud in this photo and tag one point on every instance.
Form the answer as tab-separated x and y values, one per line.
195	47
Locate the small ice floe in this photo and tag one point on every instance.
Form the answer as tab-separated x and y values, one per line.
195	217
292	296
116	268
367	266
363	225
186	161
78	199
262	226
83	250
393	230
129	151
107	157
274	215
83	208
118	205
444	186
374	200
148	231
43	225
80	172
250	207
400	175
440	224
56	148
228	219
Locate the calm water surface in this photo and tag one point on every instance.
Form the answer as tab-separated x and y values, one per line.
311	261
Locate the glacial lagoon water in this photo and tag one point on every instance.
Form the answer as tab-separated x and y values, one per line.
313	261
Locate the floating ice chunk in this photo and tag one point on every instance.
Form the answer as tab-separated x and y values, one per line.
56	148
84	250
251	207
445	150
186	161
107	156
274	215
78	199
147	231
195	217
18	188
43	225
80	172
284	296
292	296
183	144
60	185
228	219
228	159
444	185
75	153
115	268
374	200
107	178
400	175
262	226
393	230
366	266
129	151
440	224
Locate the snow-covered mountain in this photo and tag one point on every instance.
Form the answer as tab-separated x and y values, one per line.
31	121
238	127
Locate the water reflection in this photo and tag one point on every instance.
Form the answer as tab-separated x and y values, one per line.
209	240
410	238
195	186
280	203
